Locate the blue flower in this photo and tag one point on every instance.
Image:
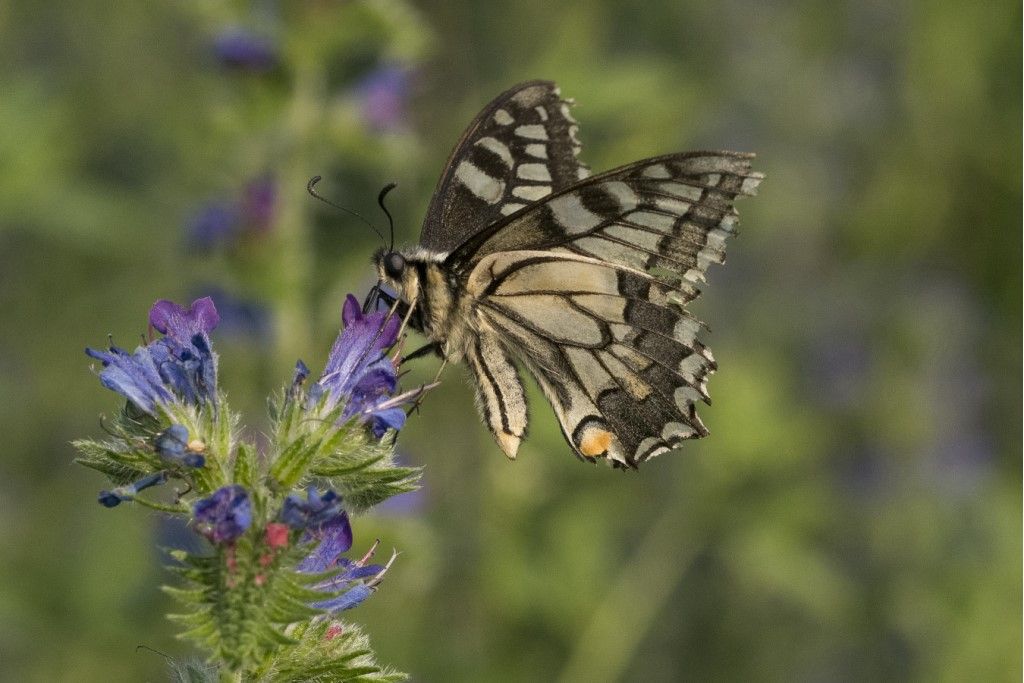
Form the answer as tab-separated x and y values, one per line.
135	376
383	94
259	203
173	446
356	580
181	364
213	224
298	379
334	536
224	515
242	50
122	493
223	222
359	374
313	512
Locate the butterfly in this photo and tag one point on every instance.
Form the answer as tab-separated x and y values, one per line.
527	259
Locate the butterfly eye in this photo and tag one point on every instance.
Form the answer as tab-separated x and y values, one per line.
394	264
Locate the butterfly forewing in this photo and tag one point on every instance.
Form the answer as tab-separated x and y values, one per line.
522	147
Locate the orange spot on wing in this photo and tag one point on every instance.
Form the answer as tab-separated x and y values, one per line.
595	443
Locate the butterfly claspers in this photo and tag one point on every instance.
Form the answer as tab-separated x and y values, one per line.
527	258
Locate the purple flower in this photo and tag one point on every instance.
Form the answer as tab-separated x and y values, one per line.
334	537
242	50
186	361
223	222
383	93
136	376
215	223
313	512
122	493
259	202
358	372
183	324
224	515
181	364
356	580
173	446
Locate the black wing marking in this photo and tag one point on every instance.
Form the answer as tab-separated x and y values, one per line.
519	149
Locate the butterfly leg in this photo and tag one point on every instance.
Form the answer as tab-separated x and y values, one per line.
432	347
437	380
407	317
500	395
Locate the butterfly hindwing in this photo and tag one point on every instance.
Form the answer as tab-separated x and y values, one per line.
519	149
622	373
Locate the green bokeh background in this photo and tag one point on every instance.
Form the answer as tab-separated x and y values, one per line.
856	513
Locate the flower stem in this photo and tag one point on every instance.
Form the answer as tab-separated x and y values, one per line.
179	509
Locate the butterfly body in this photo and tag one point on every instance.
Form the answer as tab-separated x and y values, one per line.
526	259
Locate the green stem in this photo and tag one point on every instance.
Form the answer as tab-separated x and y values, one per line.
293	264
178	509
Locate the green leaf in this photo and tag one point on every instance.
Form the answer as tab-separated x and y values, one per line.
289	467
246	466
121	461
329	650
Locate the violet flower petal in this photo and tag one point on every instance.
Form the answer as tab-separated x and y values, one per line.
335	539
347	600
183	324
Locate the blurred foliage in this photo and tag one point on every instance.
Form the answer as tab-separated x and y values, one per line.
856	513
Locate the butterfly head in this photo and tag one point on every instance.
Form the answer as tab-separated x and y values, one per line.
392	265
396	270
415	273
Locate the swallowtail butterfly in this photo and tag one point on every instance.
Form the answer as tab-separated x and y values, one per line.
525	257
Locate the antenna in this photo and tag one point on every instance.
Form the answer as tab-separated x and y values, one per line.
310	188
391	222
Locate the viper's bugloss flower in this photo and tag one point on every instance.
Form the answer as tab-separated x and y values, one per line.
359	373
276	535
356	580
122	493
259	203
312	512
334	537
298	379
186	361
173	446
225	221
383	94
242	50
213	224
180	365
224	515
136	376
